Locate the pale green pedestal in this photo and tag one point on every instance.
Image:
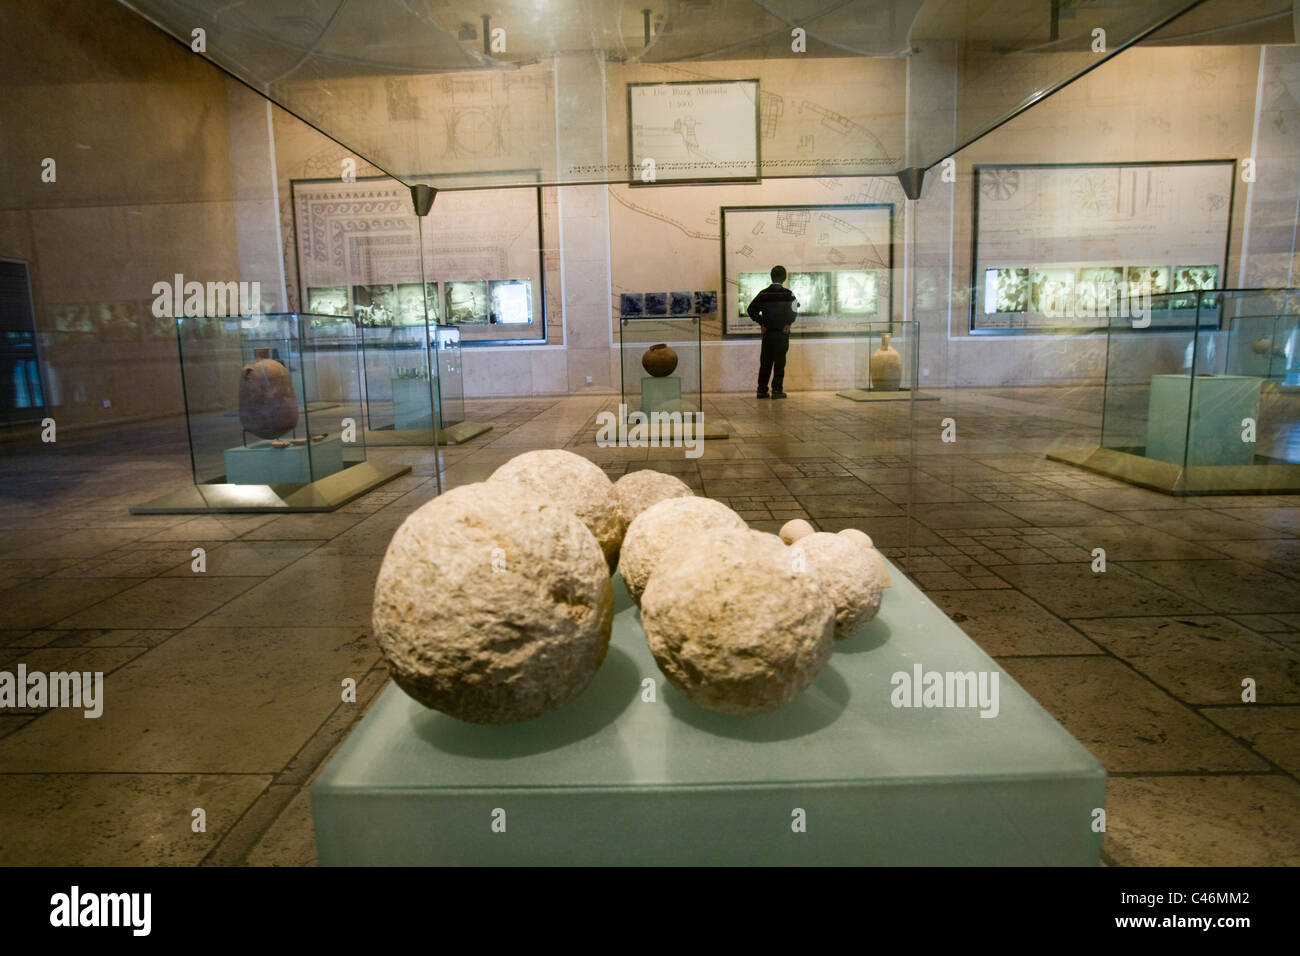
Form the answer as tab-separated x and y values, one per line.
1218	404
610	779
261	464
661	394
412	405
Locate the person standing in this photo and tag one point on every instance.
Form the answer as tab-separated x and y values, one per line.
775	309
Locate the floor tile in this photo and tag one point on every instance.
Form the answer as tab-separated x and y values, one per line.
304	526
126	819
866	505
159	711
1120	497
921	492
47	600
820	486
1007	623
1236	820
1133	542
1228	585
1284	520
246	558
1201	526
737	487
291	840
1281	556
964	515
1201	660
1074	590
83	543
1273	732
1050	513
885	531
323	589
1127	722
160	602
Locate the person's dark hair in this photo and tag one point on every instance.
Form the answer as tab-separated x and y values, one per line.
778	273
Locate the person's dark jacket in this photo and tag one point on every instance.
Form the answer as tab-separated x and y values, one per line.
774	308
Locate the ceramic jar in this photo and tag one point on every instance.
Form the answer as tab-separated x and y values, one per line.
659	360
886	367
267	405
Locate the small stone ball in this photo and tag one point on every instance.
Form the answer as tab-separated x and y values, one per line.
794	529
638	490
660	531
861	537
849	575
733	626
493	604
572	482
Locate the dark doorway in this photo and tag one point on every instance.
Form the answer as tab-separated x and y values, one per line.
22	399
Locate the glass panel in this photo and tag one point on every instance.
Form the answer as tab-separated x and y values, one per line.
974	66
450	390
398	393
1264	335
332	374
1263	343
523	95
1147	366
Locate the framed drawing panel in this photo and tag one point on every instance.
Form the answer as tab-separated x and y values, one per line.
693	132
839	259
358	253
1068	248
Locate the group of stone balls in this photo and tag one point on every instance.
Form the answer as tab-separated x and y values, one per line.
494	601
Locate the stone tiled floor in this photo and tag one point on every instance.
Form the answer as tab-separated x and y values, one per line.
224	690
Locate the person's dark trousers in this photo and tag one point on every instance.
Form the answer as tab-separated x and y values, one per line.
771	361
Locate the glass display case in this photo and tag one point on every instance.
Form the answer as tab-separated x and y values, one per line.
274	415
1264	338
884	364
660	369
1202	406
450	391
396	360
413	382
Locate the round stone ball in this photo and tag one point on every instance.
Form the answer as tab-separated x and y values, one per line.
733	626
572	482
493	605
794	529
848	574
659	533
862	538
638	490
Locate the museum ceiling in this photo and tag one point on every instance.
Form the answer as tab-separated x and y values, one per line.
956	67
272	37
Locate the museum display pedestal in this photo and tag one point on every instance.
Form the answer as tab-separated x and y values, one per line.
623	776
660	394
899	395
412	404
1217	405
263	464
